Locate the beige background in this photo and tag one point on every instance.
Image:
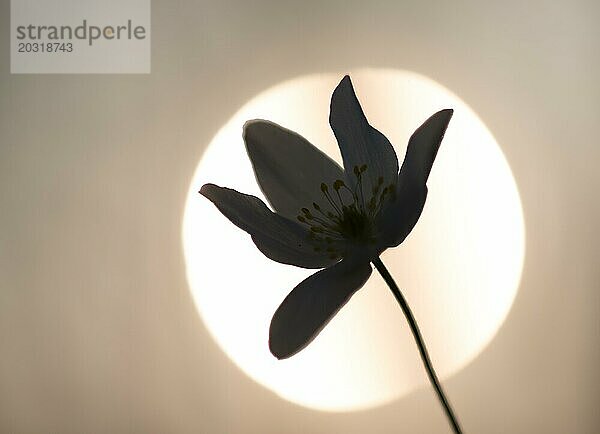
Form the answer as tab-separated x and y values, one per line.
98	332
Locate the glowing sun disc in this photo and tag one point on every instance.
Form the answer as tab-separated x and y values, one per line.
459	269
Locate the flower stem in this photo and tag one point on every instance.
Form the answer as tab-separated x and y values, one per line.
420	343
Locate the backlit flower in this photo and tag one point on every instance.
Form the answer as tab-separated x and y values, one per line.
325	216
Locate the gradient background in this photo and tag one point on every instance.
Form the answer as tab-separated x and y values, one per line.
98	331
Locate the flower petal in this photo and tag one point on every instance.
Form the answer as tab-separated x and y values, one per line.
278	238
311	305
360	143
423	147
288	168
399	219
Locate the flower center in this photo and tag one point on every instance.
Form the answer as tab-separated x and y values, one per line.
351	216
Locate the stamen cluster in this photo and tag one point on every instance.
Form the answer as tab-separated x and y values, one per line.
351	216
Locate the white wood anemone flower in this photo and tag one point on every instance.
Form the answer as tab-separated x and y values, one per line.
331	218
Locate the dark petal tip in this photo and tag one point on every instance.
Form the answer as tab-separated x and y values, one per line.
279	354
206	190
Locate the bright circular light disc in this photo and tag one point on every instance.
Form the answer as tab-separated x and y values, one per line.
459	269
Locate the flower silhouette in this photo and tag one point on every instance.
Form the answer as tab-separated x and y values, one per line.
327	217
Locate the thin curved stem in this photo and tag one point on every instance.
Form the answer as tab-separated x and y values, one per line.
414	328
